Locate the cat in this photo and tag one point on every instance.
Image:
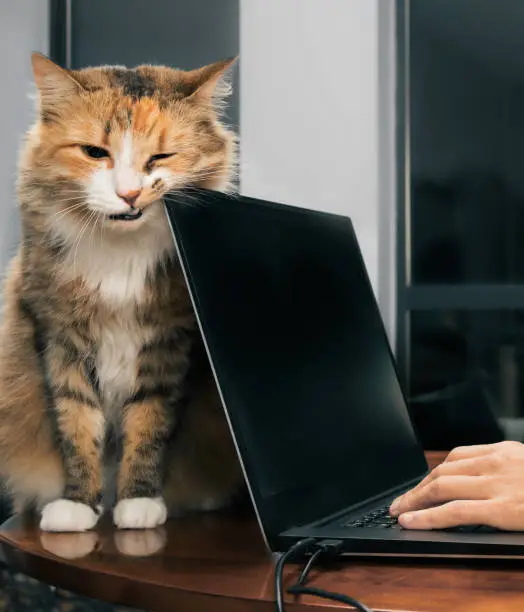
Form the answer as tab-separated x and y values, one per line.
99	347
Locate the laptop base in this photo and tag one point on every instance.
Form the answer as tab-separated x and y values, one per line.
397	541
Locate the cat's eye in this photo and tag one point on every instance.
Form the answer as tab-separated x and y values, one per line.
95	152
154	158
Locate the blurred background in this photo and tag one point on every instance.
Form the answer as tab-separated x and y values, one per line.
461	219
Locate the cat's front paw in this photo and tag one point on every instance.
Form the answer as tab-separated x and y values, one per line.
68	515
140	513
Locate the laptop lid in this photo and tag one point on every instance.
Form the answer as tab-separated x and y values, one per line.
300	355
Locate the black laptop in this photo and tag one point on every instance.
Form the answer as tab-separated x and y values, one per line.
307	377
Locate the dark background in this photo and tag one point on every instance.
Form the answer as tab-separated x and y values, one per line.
461	218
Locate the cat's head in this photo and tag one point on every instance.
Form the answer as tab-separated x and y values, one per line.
110	142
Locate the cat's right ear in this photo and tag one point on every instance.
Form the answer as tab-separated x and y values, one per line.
55	84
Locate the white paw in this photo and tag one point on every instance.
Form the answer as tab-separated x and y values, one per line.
140	513
67	515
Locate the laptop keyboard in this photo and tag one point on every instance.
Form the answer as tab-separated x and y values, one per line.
377	518
381	519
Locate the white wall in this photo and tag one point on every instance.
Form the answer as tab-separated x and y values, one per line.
23	29
316	127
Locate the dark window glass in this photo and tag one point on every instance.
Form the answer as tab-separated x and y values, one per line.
467	141
467	379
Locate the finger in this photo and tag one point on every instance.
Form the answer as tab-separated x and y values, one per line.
443	489
479	464
452	514
473	466
469	452
476	466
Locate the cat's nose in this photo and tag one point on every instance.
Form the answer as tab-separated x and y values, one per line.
129	197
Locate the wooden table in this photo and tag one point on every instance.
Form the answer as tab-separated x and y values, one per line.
217	563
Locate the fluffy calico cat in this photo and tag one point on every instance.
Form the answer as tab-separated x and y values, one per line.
98	333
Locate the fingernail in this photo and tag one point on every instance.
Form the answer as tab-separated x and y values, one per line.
406	519
394	506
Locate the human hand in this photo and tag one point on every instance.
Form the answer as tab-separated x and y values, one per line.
476	485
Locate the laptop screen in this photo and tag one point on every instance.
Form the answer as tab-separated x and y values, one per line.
300	353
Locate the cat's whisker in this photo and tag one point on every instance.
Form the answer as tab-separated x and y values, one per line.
181	200
98	216
69	210
79	238
67	205
69	192
207	174
68	200
91	221
66	197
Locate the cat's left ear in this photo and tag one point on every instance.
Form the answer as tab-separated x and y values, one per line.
54	83
212	83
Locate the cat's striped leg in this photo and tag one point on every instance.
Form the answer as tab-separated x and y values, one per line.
147	423
146	428
80	431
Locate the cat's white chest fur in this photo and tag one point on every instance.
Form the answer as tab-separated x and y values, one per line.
117	264
116	362
120	280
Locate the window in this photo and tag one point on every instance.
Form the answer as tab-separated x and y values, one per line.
461	217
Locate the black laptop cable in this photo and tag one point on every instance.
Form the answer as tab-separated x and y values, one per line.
300	547
350	601
323	547
309	565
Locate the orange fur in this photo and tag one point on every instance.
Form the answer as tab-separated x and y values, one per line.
141	419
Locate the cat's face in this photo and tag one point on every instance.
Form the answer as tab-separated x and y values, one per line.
110	142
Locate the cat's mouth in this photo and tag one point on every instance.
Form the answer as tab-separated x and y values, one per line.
129	216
